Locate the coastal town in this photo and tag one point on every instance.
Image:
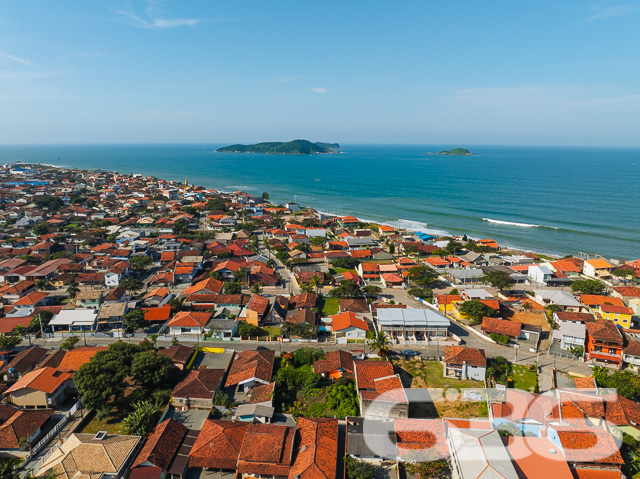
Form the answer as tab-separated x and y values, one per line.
156	329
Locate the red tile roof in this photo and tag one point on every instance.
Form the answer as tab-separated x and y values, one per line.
267	450
199	383
460	354
251	364
188	319
421	440
16	424
368	371
501	326
334	361
588	446
316	452
604	331
347	320
218	445
162	444
45	379
163	313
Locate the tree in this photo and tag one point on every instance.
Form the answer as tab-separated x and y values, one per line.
247	330
140	261
498	279
500	338
40	229
346	262
498	369
180	226
41	284
476	310
72	291
232	288
428	470
134	319
588	286
371	291
176	305
9	341
422	293
70	343
348	289
151	369
48	202
423	276
303	330
379	342
142	420
357	469
306	287
9	467
131	284
265	196
256	288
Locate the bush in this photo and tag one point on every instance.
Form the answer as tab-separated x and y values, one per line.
500	338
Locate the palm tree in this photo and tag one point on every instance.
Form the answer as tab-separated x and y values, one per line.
379	342
256	288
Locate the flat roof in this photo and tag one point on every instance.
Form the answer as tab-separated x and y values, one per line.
411	317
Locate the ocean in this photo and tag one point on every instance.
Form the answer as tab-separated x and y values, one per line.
550	200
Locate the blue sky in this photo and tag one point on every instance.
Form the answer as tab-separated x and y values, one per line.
423	71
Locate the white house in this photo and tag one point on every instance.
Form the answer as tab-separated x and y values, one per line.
465	363
413	324
539	274
597	268
564	299
72	321
348	327
570	335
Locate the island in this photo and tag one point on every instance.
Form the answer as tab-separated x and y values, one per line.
295	147
456	152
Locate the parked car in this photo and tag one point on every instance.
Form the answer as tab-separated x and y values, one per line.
410	353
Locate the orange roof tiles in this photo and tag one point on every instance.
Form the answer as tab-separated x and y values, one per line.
421	440
346	320
162	444
218	445
45	379
163	313
588	446
368	371
316	453
251	364
267	450
598	300
460	354
188	319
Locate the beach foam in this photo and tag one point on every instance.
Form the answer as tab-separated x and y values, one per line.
511	223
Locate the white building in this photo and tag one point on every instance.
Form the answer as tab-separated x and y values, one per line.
413	324
539	274
73	321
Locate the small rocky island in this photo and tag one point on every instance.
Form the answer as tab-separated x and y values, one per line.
456	152
295	147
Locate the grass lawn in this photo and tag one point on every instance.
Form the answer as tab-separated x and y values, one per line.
522	377
274	331
329	306
428	374
111	423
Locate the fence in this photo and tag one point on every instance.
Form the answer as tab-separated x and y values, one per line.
58	427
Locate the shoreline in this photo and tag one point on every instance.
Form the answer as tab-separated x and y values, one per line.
393	223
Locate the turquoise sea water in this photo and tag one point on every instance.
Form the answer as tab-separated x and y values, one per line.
553	200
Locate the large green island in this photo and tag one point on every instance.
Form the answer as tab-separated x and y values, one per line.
456	152
295	147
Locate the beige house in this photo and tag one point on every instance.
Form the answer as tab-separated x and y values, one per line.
96	456
41	388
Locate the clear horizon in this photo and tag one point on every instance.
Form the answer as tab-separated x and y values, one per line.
549	74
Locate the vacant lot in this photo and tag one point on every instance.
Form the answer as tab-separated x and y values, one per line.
428	374
329	306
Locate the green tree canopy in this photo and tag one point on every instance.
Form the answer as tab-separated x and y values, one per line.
588	286
423	276
134	319
142	420
232	288
476	310
498	279
70	343
140	261
348	289
151	369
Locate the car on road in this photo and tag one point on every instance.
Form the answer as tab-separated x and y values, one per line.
410	353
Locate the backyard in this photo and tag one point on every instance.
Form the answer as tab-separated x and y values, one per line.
328	306
444	398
